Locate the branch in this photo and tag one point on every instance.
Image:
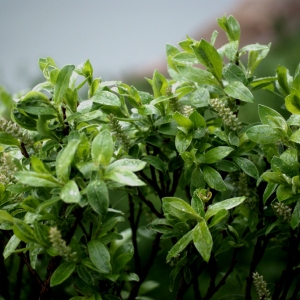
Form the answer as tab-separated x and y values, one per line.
134	228
258	253
145	270
212	269
18	286
24	151
149	204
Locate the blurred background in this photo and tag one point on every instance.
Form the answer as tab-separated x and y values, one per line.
125	40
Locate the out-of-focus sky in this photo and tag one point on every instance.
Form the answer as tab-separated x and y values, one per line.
118	36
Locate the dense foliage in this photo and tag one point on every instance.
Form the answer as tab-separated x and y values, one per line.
219	195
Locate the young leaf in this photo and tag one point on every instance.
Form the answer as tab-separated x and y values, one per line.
183	122
106	98
270	189
36	103
102	148
182	141
37	179
11	246
121	257
213	178
209	57
62	83
265	111
62	273
247	166
5	217
292	102
295	220
8	139
97	195
180	245
64	160
133	165
99	256
203	240
123	176
231	26
216	154
239	91
263	134
23	231
226	204
70	192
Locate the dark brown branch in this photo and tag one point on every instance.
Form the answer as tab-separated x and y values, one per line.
24	151
145	270
134	228
176	176
149	204
212	269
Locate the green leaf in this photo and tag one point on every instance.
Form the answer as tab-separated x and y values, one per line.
292	102
265	112
180	245
182	141
99	256
37	179
180	209
247	166
218	217
279	165
159	84
197	203
295	220
284	192
123	176
233	73
38	165
203	240
209	57
62	83
97	195
23	120
62	273
102	148
70	192
213	179
106	98
197	119
64	160
216	154
263	134
7	139
23	231
121	257
5	217
295	137
256	54
155	161
273	177
283	80
36	103
183	122
270	189
239	91
231	26
11	246
202	77
185	58
226	204
133	165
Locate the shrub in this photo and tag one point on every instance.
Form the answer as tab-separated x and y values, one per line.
219	197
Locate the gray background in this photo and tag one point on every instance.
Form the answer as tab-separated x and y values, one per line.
119	37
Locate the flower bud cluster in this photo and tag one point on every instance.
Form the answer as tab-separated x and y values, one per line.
186	110
60	245
261	287
8	169
16	131
283	211
228	117
117	131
